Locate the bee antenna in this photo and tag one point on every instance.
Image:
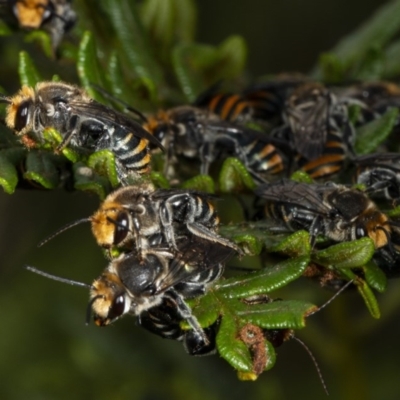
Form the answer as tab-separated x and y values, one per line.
315	363
57	278
4	99
63	229
109	96
342	289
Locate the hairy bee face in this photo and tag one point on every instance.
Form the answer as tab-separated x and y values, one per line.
108	299
31	13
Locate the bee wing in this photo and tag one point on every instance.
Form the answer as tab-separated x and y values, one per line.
99	111
195	255
310	128
294	193
388	160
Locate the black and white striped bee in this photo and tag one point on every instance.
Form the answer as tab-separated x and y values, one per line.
317	127
84	124
132	216
154	288
199	135
380	173
335	211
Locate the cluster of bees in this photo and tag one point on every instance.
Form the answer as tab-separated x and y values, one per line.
163	245
166	240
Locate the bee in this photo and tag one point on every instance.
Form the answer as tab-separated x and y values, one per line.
133	216
84	124
197	134
380	173
55	16
335	211
317	127
374	99
154	289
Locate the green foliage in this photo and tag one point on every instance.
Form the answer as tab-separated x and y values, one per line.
148	58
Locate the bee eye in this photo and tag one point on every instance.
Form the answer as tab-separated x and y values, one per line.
121	228
360	232
22	115
117	308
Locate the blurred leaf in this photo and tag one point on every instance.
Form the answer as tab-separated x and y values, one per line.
8	173
392	61
89	69
169	20
377	31
28	74
159	180
87	180
331	68
41	167
301	177
189	60
371	135
352	254
202	183
4	29
43	38
234	177
371	66
127	25
232	57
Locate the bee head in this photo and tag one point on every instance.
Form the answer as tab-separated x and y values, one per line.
108	299
378	229
20	110
32	13
111	225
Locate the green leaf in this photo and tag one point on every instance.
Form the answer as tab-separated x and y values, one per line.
371	135
331	68
137	49
52	139
234	177
264	281
346	255
8	172
233	349
295	245
365	291
159	180
301	177
251	245
375	277
41	167
103	162
202	183
89	69
28	74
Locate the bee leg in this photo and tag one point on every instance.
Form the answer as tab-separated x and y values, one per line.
74	128
206	158
185	313
315	229
203	232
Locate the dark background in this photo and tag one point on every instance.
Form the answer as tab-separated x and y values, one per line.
46	351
